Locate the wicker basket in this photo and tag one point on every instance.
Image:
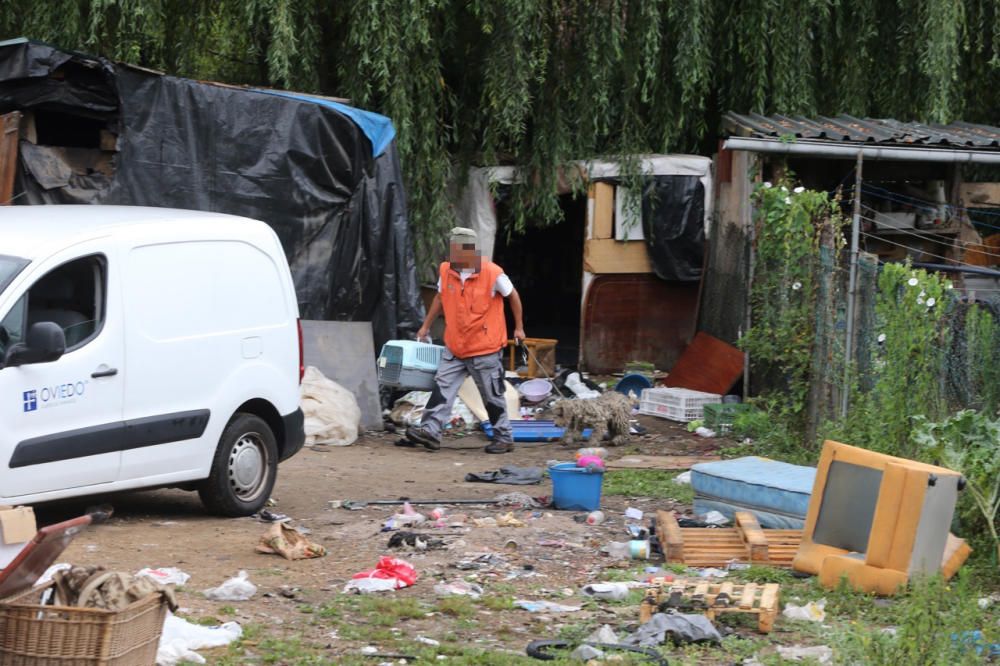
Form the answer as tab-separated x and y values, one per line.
35	635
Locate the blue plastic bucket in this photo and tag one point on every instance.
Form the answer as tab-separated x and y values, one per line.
576	488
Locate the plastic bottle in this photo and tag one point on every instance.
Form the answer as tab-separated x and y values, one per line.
595	517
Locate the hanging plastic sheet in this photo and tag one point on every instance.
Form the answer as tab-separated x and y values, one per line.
331	188
673	224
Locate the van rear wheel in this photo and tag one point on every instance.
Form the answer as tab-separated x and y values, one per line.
244	468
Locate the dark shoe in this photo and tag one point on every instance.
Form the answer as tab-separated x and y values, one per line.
499	447
421	436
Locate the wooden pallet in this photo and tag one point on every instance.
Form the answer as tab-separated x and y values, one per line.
716	547
714	599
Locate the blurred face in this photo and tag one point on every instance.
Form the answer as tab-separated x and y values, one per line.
464	255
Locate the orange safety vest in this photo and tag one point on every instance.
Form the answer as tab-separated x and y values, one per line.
473	314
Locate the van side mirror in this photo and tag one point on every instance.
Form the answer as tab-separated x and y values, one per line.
45	342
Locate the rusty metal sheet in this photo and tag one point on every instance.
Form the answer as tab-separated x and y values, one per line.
10	125
636	318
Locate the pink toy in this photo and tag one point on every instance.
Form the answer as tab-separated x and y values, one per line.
587	461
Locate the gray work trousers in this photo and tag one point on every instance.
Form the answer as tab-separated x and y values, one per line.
487	372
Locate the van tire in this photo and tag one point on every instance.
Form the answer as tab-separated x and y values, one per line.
244	468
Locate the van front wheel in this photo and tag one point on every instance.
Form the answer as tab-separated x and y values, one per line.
244	468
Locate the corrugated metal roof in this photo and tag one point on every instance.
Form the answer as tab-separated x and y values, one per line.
864	130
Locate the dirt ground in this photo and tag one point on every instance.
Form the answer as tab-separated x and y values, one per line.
553	557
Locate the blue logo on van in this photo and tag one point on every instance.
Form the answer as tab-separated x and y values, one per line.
30	401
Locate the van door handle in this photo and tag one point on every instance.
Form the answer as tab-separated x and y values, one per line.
106	372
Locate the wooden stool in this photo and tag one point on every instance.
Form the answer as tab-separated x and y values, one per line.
541	357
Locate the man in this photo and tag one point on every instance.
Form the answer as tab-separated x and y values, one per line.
470	293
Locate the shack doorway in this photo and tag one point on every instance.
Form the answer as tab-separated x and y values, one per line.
545	263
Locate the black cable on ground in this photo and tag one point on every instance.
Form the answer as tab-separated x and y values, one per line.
538	650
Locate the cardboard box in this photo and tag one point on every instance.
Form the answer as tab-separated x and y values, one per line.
602	210
17	528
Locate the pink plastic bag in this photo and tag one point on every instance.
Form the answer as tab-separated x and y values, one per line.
391	568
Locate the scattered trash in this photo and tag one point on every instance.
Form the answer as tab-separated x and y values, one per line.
594	462
811	612
633	514
51	571
714	518
488	521
181	638
238	588
508	520
438	513
427	641
638	549
458	589
680	628
544	607
586	652
711	572
617	550
595	518
164	576
684	478
369	650
606	591
509	474
389	574
702	431
975	640
414	541
821	654
518	500
288	592
281	539
266	516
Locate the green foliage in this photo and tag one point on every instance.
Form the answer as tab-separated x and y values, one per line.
927	617
967	442
908	362
646	483
982	360
539	83
792	225
771	433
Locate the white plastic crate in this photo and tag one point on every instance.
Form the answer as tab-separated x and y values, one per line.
676	404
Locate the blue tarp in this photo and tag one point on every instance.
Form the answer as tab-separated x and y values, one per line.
377	128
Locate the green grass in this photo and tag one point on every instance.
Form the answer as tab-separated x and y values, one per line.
456	606
646	483
497	602
389	611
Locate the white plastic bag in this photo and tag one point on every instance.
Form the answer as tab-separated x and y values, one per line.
165	575
181	638
610	591
811	612
332	413
235	589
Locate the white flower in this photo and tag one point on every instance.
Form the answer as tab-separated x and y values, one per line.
913	282
930	302
920	301
796	285
788	200
923	294
784	189
767	184
949	286
881	338
799	190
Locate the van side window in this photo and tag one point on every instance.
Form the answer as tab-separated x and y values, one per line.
72	296
12	327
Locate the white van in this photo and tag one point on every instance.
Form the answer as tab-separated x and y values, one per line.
145	347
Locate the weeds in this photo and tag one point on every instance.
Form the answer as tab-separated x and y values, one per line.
647	483
456	606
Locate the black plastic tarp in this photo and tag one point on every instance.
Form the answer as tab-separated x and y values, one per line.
673	224
298	163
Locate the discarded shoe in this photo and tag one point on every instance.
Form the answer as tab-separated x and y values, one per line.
499	447
421	436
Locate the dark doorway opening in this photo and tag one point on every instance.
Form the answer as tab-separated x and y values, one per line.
545	263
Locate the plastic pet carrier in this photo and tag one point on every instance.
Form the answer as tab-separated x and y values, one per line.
408	364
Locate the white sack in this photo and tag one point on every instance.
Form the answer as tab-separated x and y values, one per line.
181	638
332	413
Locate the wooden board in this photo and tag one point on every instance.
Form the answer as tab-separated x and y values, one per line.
658	462
713	599
608	256
9	125
601	207
746	543
636	318
708	364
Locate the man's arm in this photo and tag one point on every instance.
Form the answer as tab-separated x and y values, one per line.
515	308
432	314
